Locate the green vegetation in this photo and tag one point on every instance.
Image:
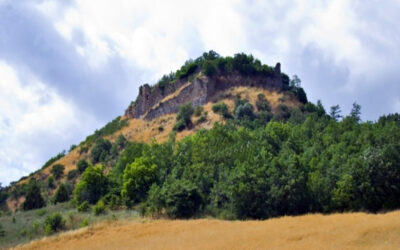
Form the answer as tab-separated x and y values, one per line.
92	186
212	64
54	159
99	208
100	150
33	198
57	171
222	109
110	128
82	165
53	223
61	194
30	225
184	117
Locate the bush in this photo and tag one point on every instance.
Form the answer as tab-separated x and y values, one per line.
72	174
54	159
50	182
100	150
262	104
53	223
2	232
82	165
99	208
92	186
83	207
85	222
57	171
244	111
33	198
198	110
138	177
182	199
222	109
61	194
209	68
183	117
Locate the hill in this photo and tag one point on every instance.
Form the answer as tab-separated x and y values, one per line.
222	137
202	82
337	231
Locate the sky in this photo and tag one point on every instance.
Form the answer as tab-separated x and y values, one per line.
68	67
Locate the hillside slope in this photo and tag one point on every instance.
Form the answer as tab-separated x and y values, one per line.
337	231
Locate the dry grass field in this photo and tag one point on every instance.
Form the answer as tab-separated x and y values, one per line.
337	231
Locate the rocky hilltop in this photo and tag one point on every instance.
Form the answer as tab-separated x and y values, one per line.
153	102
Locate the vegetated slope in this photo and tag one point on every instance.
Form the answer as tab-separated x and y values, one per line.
246	78
336	231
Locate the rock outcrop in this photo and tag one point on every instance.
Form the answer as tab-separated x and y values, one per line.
157	101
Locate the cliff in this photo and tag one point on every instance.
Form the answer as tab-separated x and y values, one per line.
154	102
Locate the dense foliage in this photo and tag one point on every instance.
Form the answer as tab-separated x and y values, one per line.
306	162
33	198
61	194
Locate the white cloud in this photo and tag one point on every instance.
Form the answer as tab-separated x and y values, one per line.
34	122
154	35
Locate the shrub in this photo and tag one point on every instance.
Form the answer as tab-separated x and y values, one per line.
209	68
222	109
53	223
92	186
41	212
198	110
183	118
33	198
99	208
72	174
82	165
57	171
54	159
160	129
100	150
138	177
50	182
2	232
83	207
85	222
61	194
182	199
262	104
244	111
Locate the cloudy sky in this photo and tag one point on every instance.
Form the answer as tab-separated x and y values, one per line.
68	67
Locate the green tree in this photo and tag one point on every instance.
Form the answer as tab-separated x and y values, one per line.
335	112
33	198
82	165
92	186
61	195
57	170
138	177
100	150
355	112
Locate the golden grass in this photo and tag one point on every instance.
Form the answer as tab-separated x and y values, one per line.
337	231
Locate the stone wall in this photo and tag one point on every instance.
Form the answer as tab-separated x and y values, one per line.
150	103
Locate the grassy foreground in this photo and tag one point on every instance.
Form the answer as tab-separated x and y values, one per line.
336	231
25	226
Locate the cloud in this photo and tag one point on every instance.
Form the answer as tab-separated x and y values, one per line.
87	59
34	121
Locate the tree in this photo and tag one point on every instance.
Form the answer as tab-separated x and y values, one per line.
335	112
100	150
82	165
355	112
183	117
92	186
138	177
57	171
61	194
295	82
182	199
33	198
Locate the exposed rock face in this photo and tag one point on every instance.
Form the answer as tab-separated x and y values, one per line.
155	102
